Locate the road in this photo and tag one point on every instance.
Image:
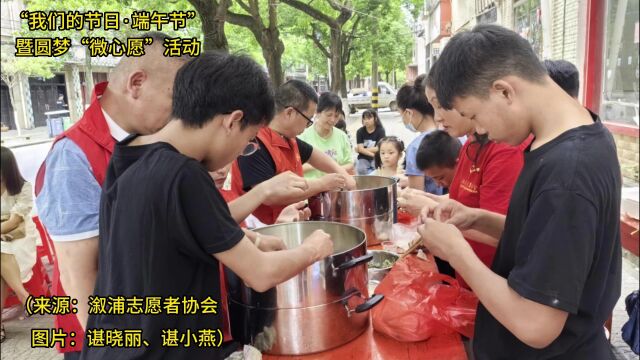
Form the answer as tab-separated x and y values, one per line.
30	157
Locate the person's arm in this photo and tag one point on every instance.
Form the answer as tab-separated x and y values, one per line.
481	237
68	207
349	168
293	213
366	151
78	265
325	163
264	242
307	167
534	324
414	175
12	223
552	262
210	228
281	189
465	218
20	210
264	270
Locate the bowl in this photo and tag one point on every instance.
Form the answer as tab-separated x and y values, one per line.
377	268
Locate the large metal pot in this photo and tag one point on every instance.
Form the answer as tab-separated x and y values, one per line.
371	207
323	307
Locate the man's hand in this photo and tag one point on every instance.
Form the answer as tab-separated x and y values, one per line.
269	243
413	201
443	240
294	212
321	244
283	186
7	237
350	183
403	181
332	182
451	212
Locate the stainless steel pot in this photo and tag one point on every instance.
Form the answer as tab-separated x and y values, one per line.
371	207
323	307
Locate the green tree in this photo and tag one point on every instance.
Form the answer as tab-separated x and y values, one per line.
266	33
340	26
213	15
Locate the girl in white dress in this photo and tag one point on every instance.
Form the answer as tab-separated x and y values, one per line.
18	231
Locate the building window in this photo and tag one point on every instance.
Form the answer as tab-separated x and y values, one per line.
620	85
528	23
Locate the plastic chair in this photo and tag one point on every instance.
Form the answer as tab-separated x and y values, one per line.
40	283
44	249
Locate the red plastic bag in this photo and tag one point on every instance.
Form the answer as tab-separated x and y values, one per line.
417	305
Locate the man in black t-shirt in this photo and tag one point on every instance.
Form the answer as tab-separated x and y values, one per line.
164	227
556	275
280	150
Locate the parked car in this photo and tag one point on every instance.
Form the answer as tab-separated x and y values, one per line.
360	98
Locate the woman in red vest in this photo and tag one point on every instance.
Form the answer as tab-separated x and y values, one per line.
485	174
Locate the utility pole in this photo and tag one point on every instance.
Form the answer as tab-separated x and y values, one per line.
374	69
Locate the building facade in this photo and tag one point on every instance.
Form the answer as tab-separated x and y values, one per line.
601	37
70	87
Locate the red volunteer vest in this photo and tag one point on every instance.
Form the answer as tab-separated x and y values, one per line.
285	155
93	137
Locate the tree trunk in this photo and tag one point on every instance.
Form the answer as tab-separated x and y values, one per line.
272	53
343	76
336	62
212	20
88	77
386	76
395	80
374	80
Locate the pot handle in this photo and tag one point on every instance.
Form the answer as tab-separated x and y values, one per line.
369	303
354	262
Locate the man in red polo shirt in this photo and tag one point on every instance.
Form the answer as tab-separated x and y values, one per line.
281	151
68	185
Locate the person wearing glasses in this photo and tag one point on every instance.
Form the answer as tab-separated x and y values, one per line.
165	228
280	151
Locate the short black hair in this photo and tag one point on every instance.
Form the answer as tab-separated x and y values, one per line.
565	74
376	119
10	172
395	141
342	125
472	60
437	149
329	101
413	97
216	83
295	93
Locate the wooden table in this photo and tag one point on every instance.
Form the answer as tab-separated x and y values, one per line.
376	346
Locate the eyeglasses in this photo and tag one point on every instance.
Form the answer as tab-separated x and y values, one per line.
309	120
251	148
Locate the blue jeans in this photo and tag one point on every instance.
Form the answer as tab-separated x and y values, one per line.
365	166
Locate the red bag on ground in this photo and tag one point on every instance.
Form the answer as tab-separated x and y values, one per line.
417	306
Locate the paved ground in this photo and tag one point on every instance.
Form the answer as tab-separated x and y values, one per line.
18	343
